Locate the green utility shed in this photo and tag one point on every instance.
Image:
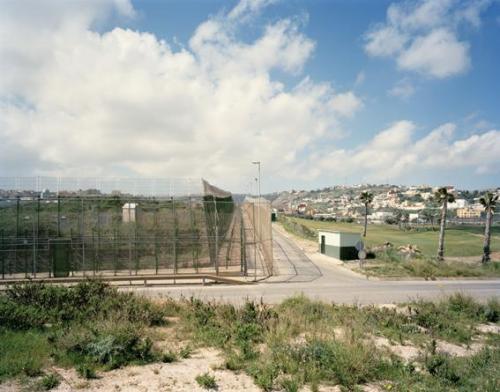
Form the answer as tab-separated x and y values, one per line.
338	244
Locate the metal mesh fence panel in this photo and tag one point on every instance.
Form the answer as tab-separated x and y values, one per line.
257	213
81	234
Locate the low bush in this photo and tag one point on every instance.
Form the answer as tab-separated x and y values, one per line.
185	352
33	304
86	371
109	344
23	352
441	366
206	381
168	357
20	316
49	381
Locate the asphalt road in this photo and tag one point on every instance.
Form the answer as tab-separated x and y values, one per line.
319	277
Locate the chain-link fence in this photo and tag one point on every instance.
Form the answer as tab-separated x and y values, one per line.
89	231
258	232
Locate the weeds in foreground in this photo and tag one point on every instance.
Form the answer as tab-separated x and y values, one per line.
168	357
49	381
86	371
206	381
283	347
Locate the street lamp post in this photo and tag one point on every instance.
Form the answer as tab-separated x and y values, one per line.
258	168
258	216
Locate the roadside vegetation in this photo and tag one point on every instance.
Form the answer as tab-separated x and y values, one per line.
411	252
447	345
90	326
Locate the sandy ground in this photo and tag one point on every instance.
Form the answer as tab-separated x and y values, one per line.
180	376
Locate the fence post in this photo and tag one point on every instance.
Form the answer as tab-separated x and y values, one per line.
156	237
175	234
98	248
216	216
35	260
242	244
18	233
34	237
136	253
116	241
51	259
193	237
129	240
58	216
82	236
93	252
2	251
254	242
71	255
26	248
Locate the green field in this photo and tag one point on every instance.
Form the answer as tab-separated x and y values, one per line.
459	240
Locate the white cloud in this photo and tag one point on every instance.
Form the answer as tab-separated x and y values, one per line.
437	54
402	89
247	7
346	104
396	154
81	103
423	36
385	41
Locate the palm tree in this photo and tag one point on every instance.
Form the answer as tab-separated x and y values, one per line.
488	201
366	198
443	197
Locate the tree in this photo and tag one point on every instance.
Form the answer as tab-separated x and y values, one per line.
429	215
366	198
443	197
488	201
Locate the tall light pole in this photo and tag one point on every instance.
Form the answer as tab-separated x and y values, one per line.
258	217
258	166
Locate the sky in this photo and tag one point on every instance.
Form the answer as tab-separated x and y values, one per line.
321	92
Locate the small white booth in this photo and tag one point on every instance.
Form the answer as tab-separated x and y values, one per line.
339	244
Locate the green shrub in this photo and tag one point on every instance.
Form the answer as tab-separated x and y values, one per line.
492	311
234	362
86	371
442	366
289	385
264	374
110	344
87	300
206	381
344	363
20	316
32	368
185	352
168	357
50	381
22	352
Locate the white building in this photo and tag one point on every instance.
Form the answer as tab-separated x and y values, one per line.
380	216
459	203
413	217
129	212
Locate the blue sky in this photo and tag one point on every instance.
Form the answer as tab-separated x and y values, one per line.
322	92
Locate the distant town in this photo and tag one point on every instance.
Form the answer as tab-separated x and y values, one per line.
392	204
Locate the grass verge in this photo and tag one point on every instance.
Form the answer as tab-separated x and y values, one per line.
299	342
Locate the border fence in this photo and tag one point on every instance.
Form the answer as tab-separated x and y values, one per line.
112	227
257	218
